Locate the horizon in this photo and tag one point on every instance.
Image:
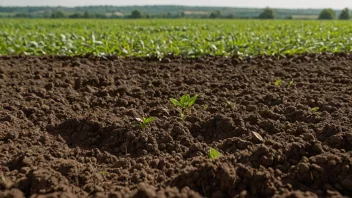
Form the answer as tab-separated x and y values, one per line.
283	4
206	6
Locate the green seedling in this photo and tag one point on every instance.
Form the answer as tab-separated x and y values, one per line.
185	102
143	122
213	153
290	83
205	107
104	173
3	178
278	82
315	109
233	105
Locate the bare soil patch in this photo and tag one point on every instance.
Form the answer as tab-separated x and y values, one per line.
66	127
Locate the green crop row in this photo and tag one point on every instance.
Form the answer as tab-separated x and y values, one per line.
178	37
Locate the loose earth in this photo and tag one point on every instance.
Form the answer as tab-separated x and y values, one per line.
67	127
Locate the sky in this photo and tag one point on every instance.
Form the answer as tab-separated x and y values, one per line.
336	4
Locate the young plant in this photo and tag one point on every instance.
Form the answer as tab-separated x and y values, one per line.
232	105
278	82
315	109
143	122
104	173
3	178
290	83
185	102
205	107
213	153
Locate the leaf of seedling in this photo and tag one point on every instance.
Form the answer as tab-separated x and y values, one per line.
143	122
213	153
205	107
233	105
175	102
104	173
290	83
184	100
278	82
315	109
150	119
192	100
3	178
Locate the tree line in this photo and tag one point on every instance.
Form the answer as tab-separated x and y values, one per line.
330	14
325	14
267	13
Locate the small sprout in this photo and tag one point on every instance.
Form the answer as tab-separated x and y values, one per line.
104	173
315	109
257	137
232	105
213	153
3	178
144	121
278	82
290	83
205	107
184	103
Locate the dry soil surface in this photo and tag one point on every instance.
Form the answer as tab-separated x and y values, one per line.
67	127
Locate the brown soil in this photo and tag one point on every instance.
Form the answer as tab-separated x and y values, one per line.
67	127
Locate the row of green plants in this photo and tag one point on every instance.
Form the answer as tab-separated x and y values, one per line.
189	38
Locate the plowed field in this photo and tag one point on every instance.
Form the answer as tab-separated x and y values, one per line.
67	127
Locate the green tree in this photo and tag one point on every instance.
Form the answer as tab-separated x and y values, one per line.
75	16
86	14
345	14
136	14
57	14
183	14
216	14
267	13
46	14
327	14
230	16
22	15
100	16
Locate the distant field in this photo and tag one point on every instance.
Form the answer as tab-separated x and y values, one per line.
6	14
180	37
305	17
